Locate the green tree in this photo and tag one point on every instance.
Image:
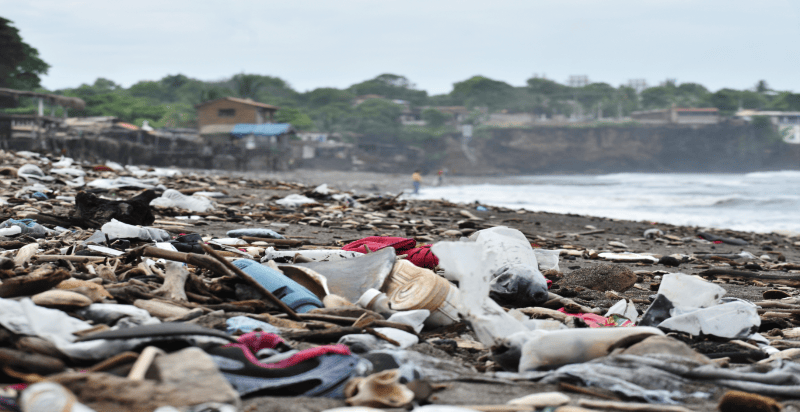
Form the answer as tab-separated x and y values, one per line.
20	65
376	116
434	118
295	117
482	91
547	87
786	101
325	96
391	86
726	100
659	97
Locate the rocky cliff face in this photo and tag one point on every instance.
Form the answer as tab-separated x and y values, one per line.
717	148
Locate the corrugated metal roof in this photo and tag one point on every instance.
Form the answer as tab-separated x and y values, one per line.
696	109
267	129
242	101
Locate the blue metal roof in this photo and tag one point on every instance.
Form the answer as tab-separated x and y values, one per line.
267	129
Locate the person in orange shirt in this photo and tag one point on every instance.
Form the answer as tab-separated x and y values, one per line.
416	179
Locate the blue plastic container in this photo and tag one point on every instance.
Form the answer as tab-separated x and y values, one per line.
293	294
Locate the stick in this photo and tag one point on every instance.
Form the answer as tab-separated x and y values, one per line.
626	406
195	259
252	282
69	258
281	242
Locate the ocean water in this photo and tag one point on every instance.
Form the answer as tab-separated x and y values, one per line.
757	202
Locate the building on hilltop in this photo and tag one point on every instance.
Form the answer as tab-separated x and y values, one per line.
787	123
678	115
220	115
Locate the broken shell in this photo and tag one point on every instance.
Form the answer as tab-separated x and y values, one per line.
336	301
61	299
452	233
90	289
379	390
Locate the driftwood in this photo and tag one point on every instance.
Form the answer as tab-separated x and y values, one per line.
174	286
42	279
788	279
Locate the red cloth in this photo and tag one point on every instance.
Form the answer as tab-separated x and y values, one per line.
399	244
251	343
422	257
419	256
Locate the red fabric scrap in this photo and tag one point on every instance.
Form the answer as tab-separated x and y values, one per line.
374	243
252	342
102	169
420	256
423	257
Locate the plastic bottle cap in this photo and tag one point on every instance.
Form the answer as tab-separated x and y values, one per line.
367	298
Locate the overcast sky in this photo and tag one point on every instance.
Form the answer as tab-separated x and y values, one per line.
335	43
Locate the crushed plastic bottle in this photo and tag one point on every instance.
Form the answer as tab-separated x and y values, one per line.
290	292
255	232
119	230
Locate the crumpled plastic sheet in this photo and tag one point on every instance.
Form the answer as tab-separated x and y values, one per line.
26	318
661	378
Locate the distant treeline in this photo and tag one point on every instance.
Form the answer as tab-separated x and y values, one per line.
169	102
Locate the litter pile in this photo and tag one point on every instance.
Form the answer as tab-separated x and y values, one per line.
131	289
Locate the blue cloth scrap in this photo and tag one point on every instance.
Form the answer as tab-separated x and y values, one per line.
40	195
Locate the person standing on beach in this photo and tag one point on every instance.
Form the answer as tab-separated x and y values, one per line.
416	179
441	177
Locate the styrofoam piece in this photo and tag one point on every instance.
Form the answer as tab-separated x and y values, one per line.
686	291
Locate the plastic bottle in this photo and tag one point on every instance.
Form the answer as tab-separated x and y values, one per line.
290	292
551	349
516	279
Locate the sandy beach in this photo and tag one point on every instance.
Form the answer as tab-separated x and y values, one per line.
250	202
